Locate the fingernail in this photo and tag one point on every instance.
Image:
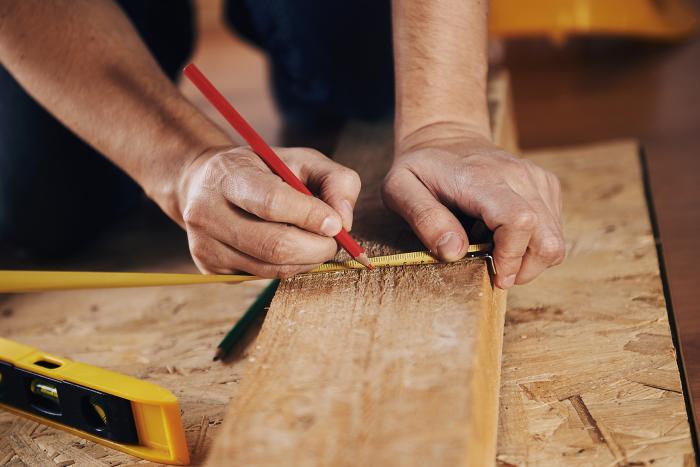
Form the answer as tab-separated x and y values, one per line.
449	246
331	226
346	212
508	282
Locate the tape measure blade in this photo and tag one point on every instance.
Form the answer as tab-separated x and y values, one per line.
33	281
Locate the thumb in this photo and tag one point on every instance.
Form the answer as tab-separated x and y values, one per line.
435	225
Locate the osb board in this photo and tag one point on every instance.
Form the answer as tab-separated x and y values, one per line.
589	374
396	366
165	335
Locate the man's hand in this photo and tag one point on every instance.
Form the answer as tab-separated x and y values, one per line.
240	216
445	159
517	200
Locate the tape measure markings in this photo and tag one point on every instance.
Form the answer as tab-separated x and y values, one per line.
34	281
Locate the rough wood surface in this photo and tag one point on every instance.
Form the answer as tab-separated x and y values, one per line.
589	373
397	366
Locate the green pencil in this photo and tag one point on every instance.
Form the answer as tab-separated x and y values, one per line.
234	335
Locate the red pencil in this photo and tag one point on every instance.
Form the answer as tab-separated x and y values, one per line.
265	152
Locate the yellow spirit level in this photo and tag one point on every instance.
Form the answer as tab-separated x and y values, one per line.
118	411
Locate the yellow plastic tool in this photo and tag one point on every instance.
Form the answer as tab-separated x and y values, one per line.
33	281
558	19
118	411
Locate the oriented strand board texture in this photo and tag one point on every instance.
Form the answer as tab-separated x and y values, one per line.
165	335
589	373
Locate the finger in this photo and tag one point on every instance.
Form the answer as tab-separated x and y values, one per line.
213	257
335	184
266	196
546	249
512	221
510	245
269	242
434	224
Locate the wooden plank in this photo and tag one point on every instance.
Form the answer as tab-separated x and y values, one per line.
365	369
589	372
397	366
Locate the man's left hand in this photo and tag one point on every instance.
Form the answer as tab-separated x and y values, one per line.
518	201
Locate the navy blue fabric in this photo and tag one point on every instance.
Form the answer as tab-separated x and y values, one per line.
329	61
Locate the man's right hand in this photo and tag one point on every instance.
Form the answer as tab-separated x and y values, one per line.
240	216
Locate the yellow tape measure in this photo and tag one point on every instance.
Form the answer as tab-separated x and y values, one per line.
34	281
400	259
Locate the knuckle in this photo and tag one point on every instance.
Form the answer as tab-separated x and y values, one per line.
507	255
423	217
313	213
271	202
552	249
213	170
199	250
351	176
525	219
276	249
391	184
193	214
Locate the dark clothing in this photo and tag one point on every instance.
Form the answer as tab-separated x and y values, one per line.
56	192
329	61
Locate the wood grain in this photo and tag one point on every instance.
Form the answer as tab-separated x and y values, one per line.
365	369
589	370
396	366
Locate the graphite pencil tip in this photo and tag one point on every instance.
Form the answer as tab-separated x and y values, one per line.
219	354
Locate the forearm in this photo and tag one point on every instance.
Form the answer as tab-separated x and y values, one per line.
83	61
440	53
